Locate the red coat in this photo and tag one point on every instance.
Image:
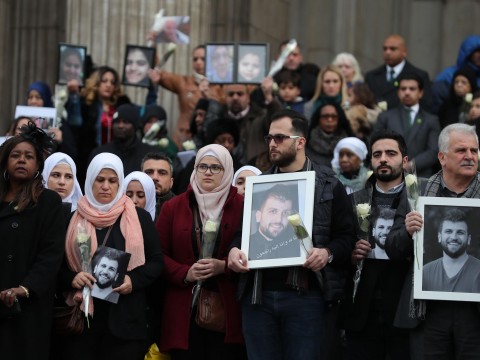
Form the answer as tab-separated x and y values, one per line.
175	226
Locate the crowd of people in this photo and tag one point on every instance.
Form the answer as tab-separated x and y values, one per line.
148	201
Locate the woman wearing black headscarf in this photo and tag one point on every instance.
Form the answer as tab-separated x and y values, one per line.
455	108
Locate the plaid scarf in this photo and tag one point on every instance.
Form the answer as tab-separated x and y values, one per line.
435	183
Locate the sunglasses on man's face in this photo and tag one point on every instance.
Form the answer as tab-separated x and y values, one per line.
278	139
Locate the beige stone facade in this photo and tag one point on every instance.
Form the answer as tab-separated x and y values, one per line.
31	29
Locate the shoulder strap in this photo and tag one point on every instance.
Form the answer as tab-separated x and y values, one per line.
106	236
197	228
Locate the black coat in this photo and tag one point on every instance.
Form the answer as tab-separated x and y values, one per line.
127	318
388	275
131	155
31	251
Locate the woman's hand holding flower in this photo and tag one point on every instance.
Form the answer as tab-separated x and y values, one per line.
204	269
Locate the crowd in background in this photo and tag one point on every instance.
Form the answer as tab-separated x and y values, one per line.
112	167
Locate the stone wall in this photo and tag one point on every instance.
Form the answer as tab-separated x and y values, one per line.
30	31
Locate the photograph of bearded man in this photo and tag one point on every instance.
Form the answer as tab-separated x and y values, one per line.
456	270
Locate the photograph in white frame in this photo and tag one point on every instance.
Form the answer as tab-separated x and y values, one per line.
282	247
447	265
44	117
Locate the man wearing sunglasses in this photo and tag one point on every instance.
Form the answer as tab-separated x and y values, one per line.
284	309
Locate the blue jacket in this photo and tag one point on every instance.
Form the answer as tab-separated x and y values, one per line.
441	85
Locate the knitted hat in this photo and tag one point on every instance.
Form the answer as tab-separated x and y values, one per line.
470	75
128	112
222	126
154	111
202	104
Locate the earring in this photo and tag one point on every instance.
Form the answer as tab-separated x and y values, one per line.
36	175
5	175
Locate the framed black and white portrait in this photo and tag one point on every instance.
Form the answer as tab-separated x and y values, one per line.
447	265
71	64
251	63
219	63
268	239
138	61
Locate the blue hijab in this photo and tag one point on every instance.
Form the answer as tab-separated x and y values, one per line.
44	91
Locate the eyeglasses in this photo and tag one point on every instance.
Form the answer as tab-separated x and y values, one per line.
214	169
278	139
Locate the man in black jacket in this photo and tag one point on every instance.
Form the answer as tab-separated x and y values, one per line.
284	309
368	318
126	145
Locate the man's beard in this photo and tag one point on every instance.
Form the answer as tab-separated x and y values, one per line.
104	285
454	255
394	173
379	244
285	159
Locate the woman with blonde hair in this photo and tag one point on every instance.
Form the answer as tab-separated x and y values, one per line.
348	65
331	89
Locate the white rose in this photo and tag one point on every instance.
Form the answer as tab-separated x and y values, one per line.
163	142
211	226
363	210
82	238
410	179
171	47
468	97
189	145
295	219
383	105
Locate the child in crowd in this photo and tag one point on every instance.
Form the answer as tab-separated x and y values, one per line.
474	113
289	90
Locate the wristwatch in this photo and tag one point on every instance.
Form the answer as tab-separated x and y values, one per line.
330	255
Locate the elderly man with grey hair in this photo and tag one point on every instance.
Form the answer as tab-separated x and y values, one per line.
452	328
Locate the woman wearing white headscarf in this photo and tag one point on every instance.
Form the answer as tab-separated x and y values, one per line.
140	187
210	195
60	175
116	331
239	178
348	157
